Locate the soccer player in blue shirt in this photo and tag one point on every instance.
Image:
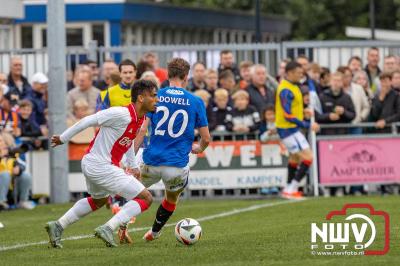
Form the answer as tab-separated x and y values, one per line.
178	114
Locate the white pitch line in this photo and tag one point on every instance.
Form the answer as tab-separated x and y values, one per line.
201	219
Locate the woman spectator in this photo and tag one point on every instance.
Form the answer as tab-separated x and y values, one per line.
361	78
360	100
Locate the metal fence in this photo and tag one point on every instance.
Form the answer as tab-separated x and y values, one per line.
327	53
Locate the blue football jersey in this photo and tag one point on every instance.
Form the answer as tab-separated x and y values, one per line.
178	114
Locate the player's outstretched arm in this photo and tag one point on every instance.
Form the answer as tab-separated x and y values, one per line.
84	123
204	140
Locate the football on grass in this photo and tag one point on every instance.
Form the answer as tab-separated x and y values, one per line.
188	231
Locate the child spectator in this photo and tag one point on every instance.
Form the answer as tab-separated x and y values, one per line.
221	109
211	79
80	110
9	121
29	127
205	96
245	74
244	117
268	132
115	78
268	129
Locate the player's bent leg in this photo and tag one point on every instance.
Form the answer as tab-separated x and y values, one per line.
80	209
293	163
164	212
139	203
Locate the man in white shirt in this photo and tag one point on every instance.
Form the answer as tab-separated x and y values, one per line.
101	164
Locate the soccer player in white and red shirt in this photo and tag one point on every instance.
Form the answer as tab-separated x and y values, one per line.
100	165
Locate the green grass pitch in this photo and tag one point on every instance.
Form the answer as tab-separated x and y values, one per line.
268	232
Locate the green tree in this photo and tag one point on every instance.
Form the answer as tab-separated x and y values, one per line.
314	19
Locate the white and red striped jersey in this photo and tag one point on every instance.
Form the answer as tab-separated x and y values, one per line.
118	128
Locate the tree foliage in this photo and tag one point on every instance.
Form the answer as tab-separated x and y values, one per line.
314	19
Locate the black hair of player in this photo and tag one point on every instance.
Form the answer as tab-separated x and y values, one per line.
141	87
126	62
291	66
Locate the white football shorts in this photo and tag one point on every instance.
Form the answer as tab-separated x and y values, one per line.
174	178
296	142
104	179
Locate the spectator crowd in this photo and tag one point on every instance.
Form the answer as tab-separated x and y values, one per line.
239	98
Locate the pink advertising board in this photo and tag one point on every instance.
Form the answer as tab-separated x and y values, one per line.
359	161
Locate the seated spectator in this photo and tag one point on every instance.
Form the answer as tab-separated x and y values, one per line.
37	97
221	109
361	78
268	129
149	75
396	80
227	81
3	83
197	81
80	110
19	86
227	62
244	118
337	106
206	97
211	80
355	64
260	95
29	127
360	100
109	66
385	105
9	121
85	90
245	75
19	176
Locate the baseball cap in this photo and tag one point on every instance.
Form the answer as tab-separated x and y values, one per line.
39	77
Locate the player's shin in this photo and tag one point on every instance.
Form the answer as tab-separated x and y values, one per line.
292	168
80	209
164	212
131	208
